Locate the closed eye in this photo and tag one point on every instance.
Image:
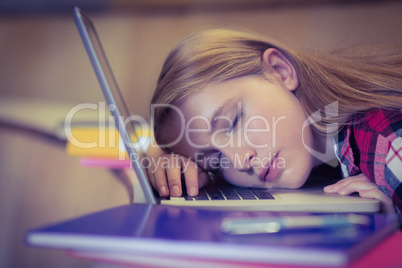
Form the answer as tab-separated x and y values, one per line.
236	120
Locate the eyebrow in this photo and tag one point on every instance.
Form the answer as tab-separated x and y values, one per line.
218	112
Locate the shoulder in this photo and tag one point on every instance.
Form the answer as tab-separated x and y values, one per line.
375	131
368	139
385	123
372	144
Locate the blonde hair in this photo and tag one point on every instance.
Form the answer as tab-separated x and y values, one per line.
357	82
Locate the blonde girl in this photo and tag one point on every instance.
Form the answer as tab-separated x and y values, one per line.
263	113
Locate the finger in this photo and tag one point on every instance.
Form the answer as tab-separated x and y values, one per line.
334	188
151	177
360	177
190	171
161	184
203	178
357	186
173	172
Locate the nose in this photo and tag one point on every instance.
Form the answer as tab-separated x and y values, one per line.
241	160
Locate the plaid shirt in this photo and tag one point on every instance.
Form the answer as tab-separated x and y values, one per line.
372	145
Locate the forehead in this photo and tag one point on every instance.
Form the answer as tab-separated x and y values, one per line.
202	105
205	101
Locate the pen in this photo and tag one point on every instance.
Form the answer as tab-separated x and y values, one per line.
273	225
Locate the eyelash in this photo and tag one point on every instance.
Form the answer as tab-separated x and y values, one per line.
238	116
232	127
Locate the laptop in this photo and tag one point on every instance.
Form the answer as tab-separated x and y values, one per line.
217	194
142	235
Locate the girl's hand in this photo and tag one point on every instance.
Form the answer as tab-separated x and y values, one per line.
165	174
366	188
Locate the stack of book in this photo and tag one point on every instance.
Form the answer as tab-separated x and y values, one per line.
103	147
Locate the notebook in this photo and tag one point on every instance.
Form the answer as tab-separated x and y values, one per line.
147	235
230	197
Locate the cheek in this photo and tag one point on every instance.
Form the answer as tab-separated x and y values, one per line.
307	138
258	133
290	130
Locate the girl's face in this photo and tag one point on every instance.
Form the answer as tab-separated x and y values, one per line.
249	130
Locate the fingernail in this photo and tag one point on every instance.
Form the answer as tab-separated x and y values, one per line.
162	191
328	188
193	191
175	190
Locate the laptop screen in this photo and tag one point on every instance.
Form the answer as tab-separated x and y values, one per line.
114	98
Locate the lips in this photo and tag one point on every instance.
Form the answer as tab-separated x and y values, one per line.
269	172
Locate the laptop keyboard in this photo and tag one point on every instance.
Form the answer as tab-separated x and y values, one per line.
221	190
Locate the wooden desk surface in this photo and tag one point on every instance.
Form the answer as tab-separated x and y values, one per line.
39	185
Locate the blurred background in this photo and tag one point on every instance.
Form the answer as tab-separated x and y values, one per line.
44	71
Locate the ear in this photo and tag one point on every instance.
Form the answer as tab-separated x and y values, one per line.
276	63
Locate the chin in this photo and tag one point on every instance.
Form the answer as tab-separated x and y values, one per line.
298	185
